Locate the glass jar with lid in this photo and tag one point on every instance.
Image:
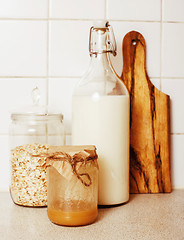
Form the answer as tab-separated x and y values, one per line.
30	135
72	185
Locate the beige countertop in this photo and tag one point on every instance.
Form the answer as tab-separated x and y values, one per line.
151	216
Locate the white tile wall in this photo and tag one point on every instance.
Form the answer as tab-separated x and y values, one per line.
4	162
177	161
23	48
60	97
151	32
68	140
134	10
156	82
16	93
173	50
24	9
45	43
173	10
81	9
175	88
68	47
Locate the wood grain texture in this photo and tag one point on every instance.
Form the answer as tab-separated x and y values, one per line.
149	122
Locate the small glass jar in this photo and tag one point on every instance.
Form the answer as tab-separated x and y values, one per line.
30	137
72	185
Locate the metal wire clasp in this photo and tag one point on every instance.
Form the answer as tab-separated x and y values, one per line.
90	49
111	41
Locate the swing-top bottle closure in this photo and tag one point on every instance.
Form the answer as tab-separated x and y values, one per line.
102	40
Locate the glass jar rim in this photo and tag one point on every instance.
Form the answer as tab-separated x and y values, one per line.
33	116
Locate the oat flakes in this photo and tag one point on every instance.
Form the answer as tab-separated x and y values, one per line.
28	176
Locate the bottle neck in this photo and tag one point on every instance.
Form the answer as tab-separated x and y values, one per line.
100	62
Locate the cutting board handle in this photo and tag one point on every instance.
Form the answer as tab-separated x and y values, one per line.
131	42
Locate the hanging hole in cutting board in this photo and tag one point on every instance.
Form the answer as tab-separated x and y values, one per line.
134	42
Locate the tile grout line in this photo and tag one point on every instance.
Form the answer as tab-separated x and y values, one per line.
47	78
23	77
105	9
83	19
23	19
50	76
37	77
161	38
69	134
173	21
176	133
172	77
62	76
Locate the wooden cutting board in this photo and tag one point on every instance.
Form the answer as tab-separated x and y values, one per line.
149	122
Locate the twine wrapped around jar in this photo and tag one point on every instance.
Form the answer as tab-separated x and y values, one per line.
67	160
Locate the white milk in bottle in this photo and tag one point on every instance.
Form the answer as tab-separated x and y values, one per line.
100	117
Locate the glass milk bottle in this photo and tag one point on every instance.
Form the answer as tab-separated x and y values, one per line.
100	117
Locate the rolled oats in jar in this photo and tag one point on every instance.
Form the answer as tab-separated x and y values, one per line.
30	135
